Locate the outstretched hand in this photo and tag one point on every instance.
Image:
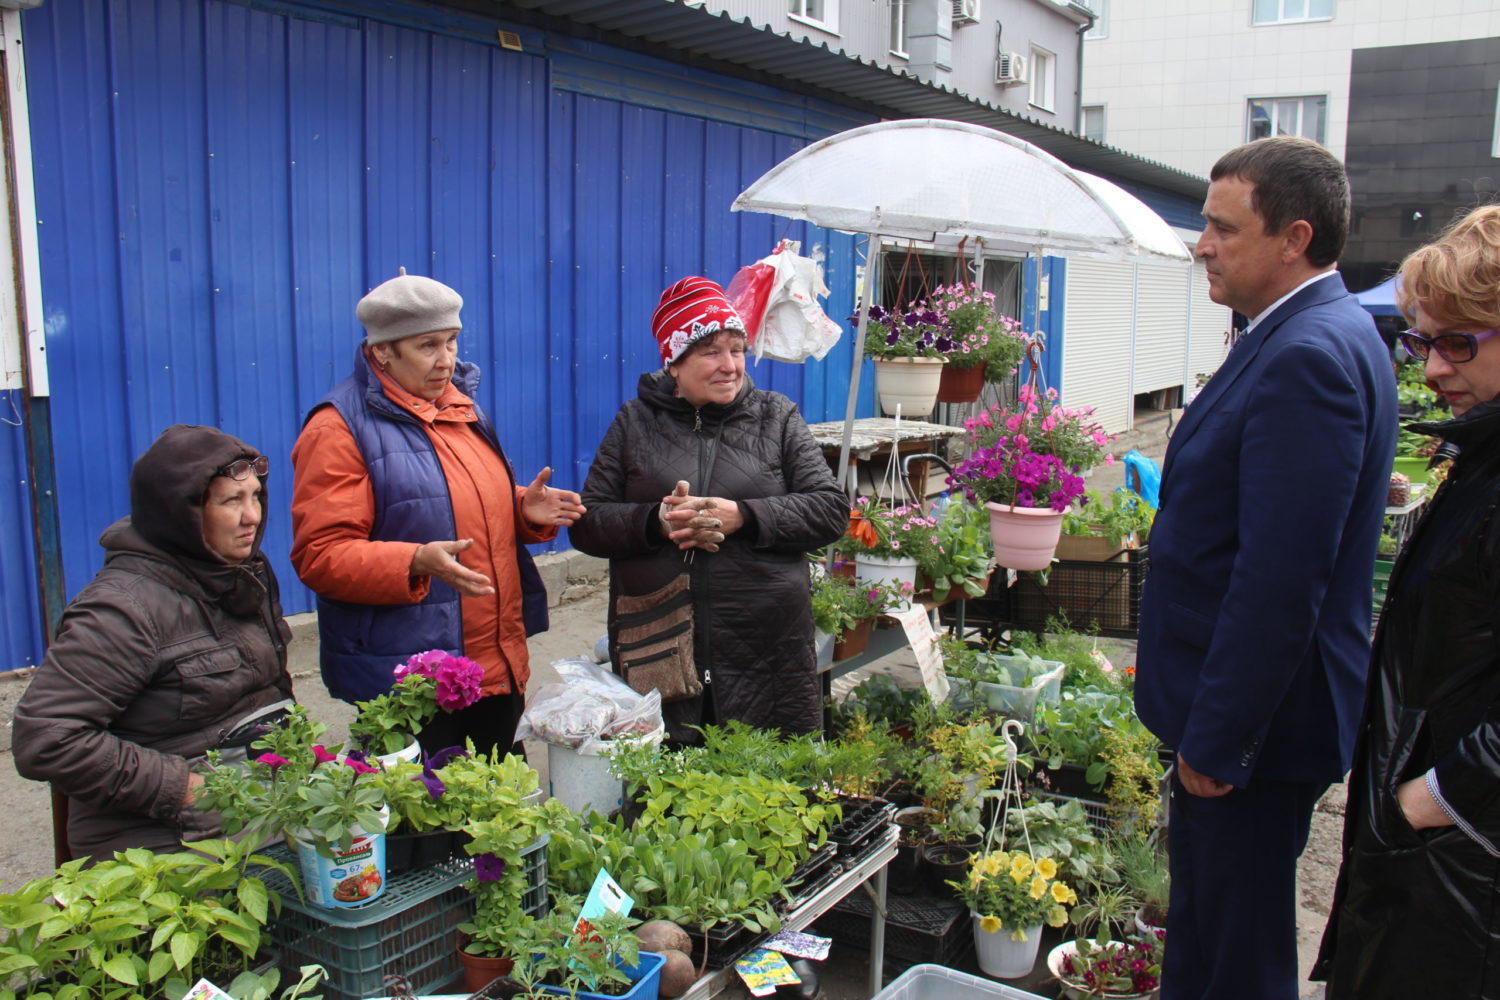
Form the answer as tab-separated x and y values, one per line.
440	559
546	506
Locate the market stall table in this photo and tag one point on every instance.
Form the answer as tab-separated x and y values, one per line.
1403	518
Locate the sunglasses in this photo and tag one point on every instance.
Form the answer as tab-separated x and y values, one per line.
1454	348
241	469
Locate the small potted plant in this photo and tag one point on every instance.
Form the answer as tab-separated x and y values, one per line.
1117	970
983	345
1095	531
958	559
599	957
1026	464
909	347
387	725
104	930
846	609
1010	896
324	800
888	544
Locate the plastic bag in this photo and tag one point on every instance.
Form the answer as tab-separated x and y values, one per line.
777	297
586	708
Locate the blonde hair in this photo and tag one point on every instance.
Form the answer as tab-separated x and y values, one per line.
1456	277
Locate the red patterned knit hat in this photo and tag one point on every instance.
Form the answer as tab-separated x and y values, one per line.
690	310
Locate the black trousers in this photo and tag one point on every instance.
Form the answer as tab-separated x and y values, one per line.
490	722
1232	925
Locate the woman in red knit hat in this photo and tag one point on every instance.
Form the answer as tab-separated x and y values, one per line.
714	491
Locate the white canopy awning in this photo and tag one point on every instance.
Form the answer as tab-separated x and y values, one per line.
921	178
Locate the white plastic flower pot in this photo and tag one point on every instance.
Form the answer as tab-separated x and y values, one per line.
911	383
1002	956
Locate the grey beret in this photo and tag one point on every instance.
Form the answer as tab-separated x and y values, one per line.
407	305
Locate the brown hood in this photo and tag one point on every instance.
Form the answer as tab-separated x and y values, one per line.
169	483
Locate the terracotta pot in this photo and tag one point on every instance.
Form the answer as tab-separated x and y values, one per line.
480	970
853	641
1025	537
910	382
961	385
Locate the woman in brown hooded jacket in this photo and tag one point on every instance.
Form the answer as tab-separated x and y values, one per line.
175	642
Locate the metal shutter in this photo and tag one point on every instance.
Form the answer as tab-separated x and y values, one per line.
1097	330
1208	336
1161	325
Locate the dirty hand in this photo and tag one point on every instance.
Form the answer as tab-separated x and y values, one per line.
545	506
440	559
681	490
701	522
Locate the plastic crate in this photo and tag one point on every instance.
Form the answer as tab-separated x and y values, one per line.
1084	595
934	982
917	928
411	930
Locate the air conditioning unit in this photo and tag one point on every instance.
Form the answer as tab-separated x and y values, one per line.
1010	67
965	12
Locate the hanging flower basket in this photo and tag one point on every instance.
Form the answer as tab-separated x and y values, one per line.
1025	537
1000	955
961	385
910	382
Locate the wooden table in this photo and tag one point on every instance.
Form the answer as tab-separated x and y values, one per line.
876	437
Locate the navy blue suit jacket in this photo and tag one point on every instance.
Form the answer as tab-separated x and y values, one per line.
1254	633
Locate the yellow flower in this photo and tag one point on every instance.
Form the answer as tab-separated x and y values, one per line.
1038	888
1060	893
1057	916
976	878
1046	867
1021	865
992	865
1019	934
1017	876
989	925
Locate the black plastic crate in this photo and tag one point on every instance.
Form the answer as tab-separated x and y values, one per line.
864	825
725	943
1085	595
918	929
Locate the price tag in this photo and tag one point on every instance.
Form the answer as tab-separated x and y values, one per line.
918	628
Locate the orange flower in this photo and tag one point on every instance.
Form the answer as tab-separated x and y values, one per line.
861	530
1130	671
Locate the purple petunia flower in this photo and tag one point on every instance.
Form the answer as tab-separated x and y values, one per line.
488	867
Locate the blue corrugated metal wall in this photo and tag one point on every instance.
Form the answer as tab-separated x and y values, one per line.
20	614
218	184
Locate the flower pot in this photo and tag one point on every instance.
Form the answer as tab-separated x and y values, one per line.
349	878
906	867
412	751
1024	537
583	781
1000	955
1143	927
852	642
481	970
947	862
961	385
645	981
1054	965
893	571
911	383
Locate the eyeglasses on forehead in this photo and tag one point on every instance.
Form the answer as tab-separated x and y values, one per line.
242	468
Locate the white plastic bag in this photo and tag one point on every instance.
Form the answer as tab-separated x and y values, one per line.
588	706
794	327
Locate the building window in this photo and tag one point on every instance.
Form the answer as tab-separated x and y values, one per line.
898	27
1092	125
1100	28
1291	11
1043	78
1304	116
819	13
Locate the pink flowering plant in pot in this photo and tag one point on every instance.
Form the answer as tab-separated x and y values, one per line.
296	782
425	684
976	332
889	532
1112	969
1031	454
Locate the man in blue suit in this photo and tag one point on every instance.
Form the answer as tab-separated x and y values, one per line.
1255	620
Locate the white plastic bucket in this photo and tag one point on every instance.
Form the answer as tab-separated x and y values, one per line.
411	752
349	878
583	781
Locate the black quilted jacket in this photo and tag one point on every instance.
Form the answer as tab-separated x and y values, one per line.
753	631
1415	910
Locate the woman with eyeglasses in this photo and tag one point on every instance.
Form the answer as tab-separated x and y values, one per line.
175	648
1414	911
